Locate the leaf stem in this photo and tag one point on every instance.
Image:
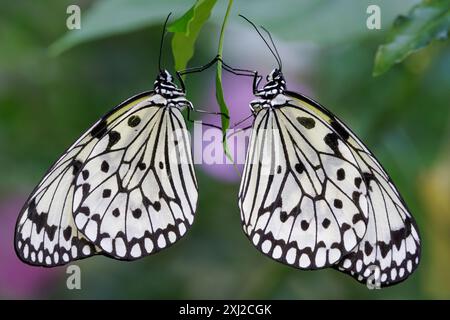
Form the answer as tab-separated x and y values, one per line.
222	30
219	91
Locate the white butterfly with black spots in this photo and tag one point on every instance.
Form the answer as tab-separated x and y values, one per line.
125	189
313	196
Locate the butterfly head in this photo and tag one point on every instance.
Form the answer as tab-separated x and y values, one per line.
275	84
275	75
165	86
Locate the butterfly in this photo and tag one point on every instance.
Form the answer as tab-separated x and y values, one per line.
125	189
312	195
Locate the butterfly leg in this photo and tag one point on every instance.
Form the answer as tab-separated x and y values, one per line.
195	70
235	71
209	112
243	72
228	68
212	112
239	130
203	123
242	121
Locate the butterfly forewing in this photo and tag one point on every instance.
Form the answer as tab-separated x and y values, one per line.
137	191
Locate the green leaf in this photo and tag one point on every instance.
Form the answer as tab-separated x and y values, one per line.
186	31
219	90
181	25
425	22
223	107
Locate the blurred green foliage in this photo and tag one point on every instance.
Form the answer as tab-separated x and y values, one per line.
46	102
426	22
300	20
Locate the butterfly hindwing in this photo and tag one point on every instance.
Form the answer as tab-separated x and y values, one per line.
45	232
137	192
390	249
299	200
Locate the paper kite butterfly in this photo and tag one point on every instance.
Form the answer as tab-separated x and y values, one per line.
313	196
126	188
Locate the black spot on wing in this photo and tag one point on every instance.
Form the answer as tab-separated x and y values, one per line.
306	122
106	193
331	140
104	166
142	166
304	224
86	187
326	223
384	248
116	212
355	197
99	130
137	213
283	216
345	227
32	208
76	166
408	225
398	236
67	233
114	137
40	220
340	129
84	210
85	174
357	217
337	203
367	248
157	205
146	201
340	174
358	181
367	176
51	231
299	167
134	121
295	211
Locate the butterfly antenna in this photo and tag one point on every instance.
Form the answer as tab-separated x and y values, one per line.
265	41
162	41
274	46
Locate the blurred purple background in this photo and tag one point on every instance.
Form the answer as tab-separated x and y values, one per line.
18	280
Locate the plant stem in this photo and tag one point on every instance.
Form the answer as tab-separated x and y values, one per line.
222	31
219	91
